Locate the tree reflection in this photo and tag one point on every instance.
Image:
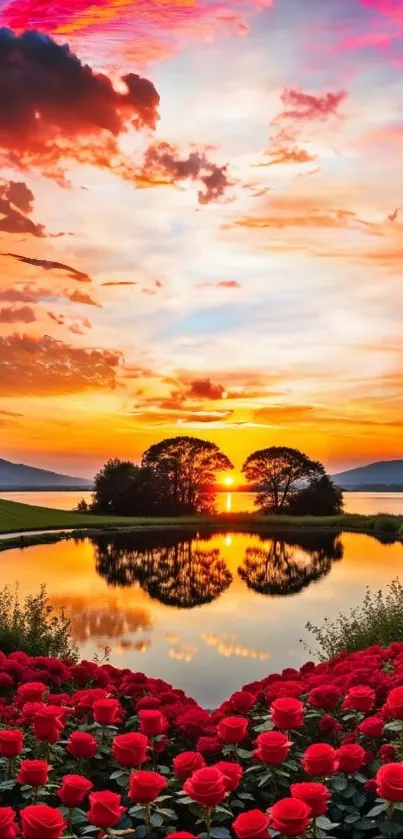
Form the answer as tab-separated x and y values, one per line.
174	569
284	567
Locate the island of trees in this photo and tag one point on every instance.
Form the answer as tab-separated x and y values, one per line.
178	476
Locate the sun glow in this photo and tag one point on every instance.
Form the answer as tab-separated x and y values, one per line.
228	480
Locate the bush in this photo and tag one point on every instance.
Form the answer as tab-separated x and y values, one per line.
387	524
379	620
313	752
34	626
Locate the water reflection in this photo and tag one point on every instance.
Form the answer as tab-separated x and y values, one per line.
182	570
286	567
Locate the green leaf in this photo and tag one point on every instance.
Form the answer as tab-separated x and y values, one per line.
157	819
168	814
398	805
245	755
380	808
246	796
325	824
118	774
339	783
141	831
266	726
220	833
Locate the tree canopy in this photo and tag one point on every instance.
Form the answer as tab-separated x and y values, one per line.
123	488
320	498
277	473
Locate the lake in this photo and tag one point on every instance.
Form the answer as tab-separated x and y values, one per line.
367	503
207	613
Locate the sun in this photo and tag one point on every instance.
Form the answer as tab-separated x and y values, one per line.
228	480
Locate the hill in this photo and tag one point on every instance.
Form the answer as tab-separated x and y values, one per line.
15	476
383	474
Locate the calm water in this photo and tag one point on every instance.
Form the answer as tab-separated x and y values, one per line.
208	613
368	503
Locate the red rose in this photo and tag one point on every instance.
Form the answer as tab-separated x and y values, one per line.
320	759
81	744
34	773
181	835
350	758
152	722
232	729
325	697
10	742
290	816
287	712
47	724
130	749
360	698
272	747
41	822
207	786
394	703
73	790
8	827
389	780
315	795
242	701
32	691
232	774
329	725
105	712
146	786
208	745
251	825
105	809
387	753
186	763
372	727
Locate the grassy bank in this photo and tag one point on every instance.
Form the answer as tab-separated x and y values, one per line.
19	518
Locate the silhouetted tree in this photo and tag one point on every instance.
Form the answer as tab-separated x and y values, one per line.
185	469
125	489
82	506
280	569
178	573
321	498
278	472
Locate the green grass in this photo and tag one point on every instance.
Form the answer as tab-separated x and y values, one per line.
15	517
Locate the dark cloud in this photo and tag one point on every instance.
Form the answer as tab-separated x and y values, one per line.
51	265
205	389
118	283
47	95
24	314
16	203
306	106
49	367
163	164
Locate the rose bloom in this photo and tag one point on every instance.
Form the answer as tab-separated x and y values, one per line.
206	786
47	724
39	821
105	809
290	816
325	697
32	691
360	698
34	773
389	781
73	790
82	744
152	722
105	711
208	745
130	749
232	729
145	787
186	763
232	772
329	725
251	825
315	795
287	712
320	759
350	758
8	827
387	753
272	747
394	703
372	727
242	701
11	741
181	835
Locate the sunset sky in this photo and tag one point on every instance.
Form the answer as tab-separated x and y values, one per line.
200	228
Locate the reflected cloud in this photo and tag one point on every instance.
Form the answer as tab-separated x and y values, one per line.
107	620
228	647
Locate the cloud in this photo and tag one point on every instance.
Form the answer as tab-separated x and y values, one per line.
51	265
162	164
307	106
16	204
25	314
288	154
78	296
206	389
119	283
220	284
49	367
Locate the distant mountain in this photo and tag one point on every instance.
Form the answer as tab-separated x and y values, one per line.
385	473
18	476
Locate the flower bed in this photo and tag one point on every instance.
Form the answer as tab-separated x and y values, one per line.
90	750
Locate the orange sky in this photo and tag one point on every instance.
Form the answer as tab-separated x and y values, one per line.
207	238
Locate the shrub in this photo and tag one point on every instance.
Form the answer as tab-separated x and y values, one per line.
34	626
379	620
387	524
